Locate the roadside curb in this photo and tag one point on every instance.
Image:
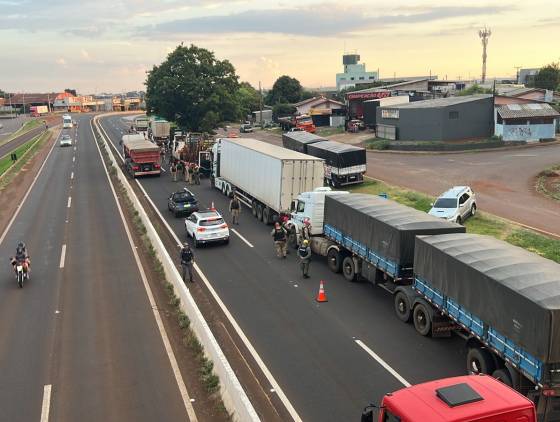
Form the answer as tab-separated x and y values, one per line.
234	396
465	151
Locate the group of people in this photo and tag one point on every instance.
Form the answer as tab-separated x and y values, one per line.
190	172
280	234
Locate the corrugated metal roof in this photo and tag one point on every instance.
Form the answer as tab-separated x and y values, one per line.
441	102
520	111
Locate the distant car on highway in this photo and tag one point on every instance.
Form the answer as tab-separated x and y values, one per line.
246	128
182	202
65	141
456	204
207	227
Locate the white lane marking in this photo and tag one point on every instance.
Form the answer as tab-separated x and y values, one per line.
383	363
69	201
62	256
71	175
242	238
46	406
28	191
73	159
74	148
170	355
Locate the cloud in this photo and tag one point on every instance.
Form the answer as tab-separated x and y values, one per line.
61	62
321	20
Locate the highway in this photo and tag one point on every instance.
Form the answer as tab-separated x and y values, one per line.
79	342
330	359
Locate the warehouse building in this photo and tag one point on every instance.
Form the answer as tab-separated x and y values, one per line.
526	122
442	119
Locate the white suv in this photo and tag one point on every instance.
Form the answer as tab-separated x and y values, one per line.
206	227
456	204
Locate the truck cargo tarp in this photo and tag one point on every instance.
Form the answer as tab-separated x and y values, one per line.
140	145
384	226
514	291
337	154
298	141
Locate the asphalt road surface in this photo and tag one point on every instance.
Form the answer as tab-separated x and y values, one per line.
10	125
82	324
20	140
311	349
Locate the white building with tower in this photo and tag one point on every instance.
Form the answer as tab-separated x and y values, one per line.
354	73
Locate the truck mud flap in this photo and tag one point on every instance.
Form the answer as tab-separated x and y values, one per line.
442	326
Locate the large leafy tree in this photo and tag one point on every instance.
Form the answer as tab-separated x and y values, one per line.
248	99
548	77
71	91
194	89
285	90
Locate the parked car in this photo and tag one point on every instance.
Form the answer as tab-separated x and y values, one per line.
182	202
207	227
456	204
246	128
65	141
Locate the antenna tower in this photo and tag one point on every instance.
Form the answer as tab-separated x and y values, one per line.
484	34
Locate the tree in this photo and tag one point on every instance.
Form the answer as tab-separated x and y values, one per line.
548	77
71	91
475	89
248	98
194	89
282	110
285	90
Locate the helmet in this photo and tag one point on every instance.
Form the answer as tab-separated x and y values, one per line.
185	245
307	222
305	242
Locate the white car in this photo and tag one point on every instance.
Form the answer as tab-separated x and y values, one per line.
456	204
206	227
65	141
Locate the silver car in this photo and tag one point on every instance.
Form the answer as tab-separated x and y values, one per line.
456	204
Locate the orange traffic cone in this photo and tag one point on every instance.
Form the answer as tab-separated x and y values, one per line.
321	297
212	207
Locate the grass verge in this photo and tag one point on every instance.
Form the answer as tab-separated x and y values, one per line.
481	223
25	152
209	379
328	131
544	187
27	126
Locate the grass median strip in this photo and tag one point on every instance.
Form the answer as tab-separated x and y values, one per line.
26	127
481	223
8	169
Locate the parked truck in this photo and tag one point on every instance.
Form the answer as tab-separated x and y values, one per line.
159	130
466	398
504	300
363	235
141	123
265	177
141	157
344	164
303	122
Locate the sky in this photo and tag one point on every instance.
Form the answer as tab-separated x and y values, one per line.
108	45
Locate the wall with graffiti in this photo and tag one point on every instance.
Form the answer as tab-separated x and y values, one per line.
527	132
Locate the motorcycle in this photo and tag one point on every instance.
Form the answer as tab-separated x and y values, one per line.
21	274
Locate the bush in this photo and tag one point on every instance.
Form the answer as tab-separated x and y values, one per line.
381	144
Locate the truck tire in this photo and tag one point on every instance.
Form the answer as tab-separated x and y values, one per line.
254	208
334	260
266	216
349	269
480	361
259	212
402	307
422	319
503	375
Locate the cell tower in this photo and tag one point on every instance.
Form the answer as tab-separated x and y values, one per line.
484	34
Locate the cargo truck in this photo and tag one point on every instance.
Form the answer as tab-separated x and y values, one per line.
458	399
159	130
141	157
504	300
265	177
141	123
364	235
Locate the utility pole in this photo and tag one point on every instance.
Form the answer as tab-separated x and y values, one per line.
260	104
484	34
517	73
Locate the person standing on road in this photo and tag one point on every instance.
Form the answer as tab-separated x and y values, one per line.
196	174
306	231
187	261
234	209
190	173
180	169
304	253
279	235
173	170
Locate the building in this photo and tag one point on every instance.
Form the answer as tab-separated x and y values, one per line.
66	102
527	76
30	99
354	73
323	103
533	94
264	117
441	119
526	122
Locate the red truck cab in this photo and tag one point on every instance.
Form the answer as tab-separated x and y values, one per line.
306	123
477	398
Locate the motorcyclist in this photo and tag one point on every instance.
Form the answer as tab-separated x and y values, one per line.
21	256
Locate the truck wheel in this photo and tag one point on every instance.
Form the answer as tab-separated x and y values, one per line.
259	212
254	209
422	320
480	361
333	260
266	216
224	188
402	307
503	376
348	269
